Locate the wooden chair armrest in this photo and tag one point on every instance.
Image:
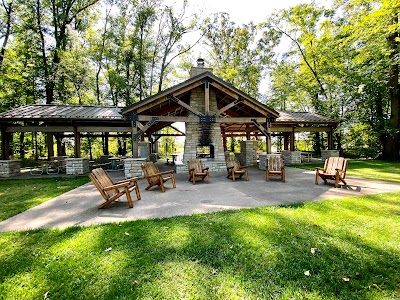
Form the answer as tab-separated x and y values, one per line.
243	167
154	175
339	170
116	186
133	179
205	169
167	172
319	169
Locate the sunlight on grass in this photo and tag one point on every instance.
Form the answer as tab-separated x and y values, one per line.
19	195
371	169
296	251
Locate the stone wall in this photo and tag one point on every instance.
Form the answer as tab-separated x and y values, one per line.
291	157
329	153
132	167
77	166
193	134
10	168
248	153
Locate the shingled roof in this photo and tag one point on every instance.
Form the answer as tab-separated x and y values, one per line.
59	112
302	118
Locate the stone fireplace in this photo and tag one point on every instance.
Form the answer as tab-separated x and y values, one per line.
203	136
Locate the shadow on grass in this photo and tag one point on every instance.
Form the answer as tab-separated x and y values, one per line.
253	253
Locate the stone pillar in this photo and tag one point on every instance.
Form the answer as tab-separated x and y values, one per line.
10	168
77	166
329	153
132	167
292	157
248	153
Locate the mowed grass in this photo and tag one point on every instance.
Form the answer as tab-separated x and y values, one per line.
18	195
333	249
372	169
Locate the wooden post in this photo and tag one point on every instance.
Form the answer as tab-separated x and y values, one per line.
285	141
5	144
207	96
292	139
50	145
330	140
135	143
77	136
105	146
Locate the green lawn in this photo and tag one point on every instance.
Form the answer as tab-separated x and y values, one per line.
372	169
18	195
333	249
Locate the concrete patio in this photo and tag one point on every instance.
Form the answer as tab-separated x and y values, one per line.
79	206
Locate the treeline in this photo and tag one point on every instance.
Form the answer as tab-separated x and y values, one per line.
341	61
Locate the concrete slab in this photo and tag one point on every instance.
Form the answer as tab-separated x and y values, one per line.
79	206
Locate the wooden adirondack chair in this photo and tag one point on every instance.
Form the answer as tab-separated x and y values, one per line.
236	170
155	177
197	170
110	190
275	167
334	169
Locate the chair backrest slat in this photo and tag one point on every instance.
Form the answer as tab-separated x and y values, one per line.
195	164
149	169
333	163
275	162
103	180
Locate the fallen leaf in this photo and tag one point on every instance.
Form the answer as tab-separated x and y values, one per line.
108	249
346	279
46	296
134	282
358	274
126	233
215	271
307	273
314	250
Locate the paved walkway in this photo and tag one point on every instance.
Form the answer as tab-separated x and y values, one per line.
79	206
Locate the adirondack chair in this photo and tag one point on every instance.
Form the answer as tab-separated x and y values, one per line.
334	169
197	170
235	170
110	190
275	167
155	177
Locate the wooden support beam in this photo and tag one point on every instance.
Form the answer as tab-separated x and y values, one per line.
183	104
225	90
77	148
135	142
230	105
207	96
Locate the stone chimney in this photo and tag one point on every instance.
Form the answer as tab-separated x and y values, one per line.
194	71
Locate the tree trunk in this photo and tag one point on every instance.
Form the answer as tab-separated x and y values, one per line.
391	147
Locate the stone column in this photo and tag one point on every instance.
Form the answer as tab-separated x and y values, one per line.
132	167
77	166
10	168
248	153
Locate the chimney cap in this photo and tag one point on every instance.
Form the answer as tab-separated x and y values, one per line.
200	63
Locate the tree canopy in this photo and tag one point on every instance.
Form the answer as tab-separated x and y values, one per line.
340	61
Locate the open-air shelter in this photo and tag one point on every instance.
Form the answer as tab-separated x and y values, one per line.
211	109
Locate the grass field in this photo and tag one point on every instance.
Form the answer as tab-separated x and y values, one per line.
333	249
18	195
372	169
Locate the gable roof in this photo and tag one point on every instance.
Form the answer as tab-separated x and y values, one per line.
227	91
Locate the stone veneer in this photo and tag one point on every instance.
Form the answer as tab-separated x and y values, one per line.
329	153
248	153
291	157
193	134
77	166
132	167
10	168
